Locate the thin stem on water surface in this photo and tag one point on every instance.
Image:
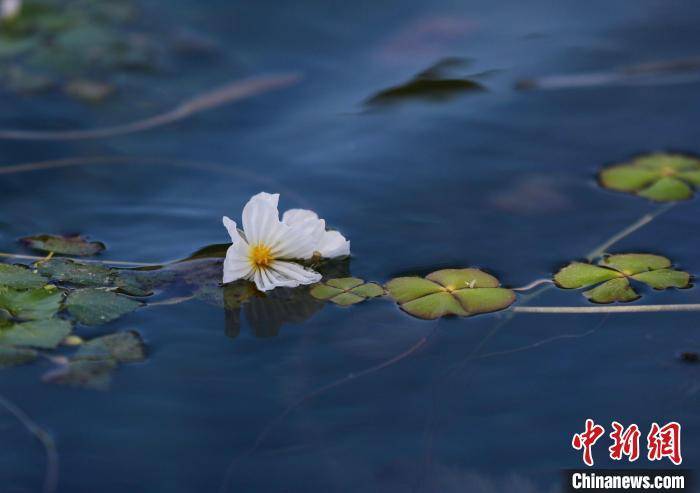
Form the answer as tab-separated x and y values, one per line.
640	223
533	284
106	262
229	93
690	307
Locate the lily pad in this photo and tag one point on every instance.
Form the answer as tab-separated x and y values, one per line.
64	270
614	272
92	306
14	356
132	283
661	177
32	304
68	271
20	277
45	334
346	291
460	292
124	347
64	245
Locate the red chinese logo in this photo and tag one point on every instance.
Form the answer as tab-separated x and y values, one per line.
587	439
625	442
662	442
665	441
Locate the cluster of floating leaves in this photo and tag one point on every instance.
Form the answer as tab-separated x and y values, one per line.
613	274
41	306
346	291
78	46
660	177
460	292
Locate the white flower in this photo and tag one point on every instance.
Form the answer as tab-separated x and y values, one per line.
266	252
10	8
328	244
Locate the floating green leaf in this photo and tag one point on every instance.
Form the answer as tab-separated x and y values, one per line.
664	278
634	263
661	177
14	356
579	274
460	292
68	271
346	291
615	272
131	283
64	270
124	347
64	245
20	277
92	306
46	334
614	290
32	304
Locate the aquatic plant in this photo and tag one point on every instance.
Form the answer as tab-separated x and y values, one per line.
40	306
661	177
346	291
613	274
267	251
461	292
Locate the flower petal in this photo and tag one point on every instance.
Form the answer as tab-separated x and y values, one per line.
306	223
261	218
283	274
237	264
295	274
230	226
333	244
298	216
293	243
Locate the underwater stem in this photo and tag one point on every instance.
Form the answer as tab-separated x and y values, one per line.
641	222
51	477
234	91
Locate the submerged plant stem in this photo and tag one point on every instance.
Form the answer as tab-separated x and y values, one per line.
229	93
352	376
640	223
51	476
125	263
690	307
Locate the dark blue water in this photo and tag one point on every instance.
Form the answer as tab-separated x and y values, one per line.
499	179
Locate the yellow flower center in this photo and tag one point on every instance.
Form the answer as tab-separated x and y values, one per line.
260	255
668	171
